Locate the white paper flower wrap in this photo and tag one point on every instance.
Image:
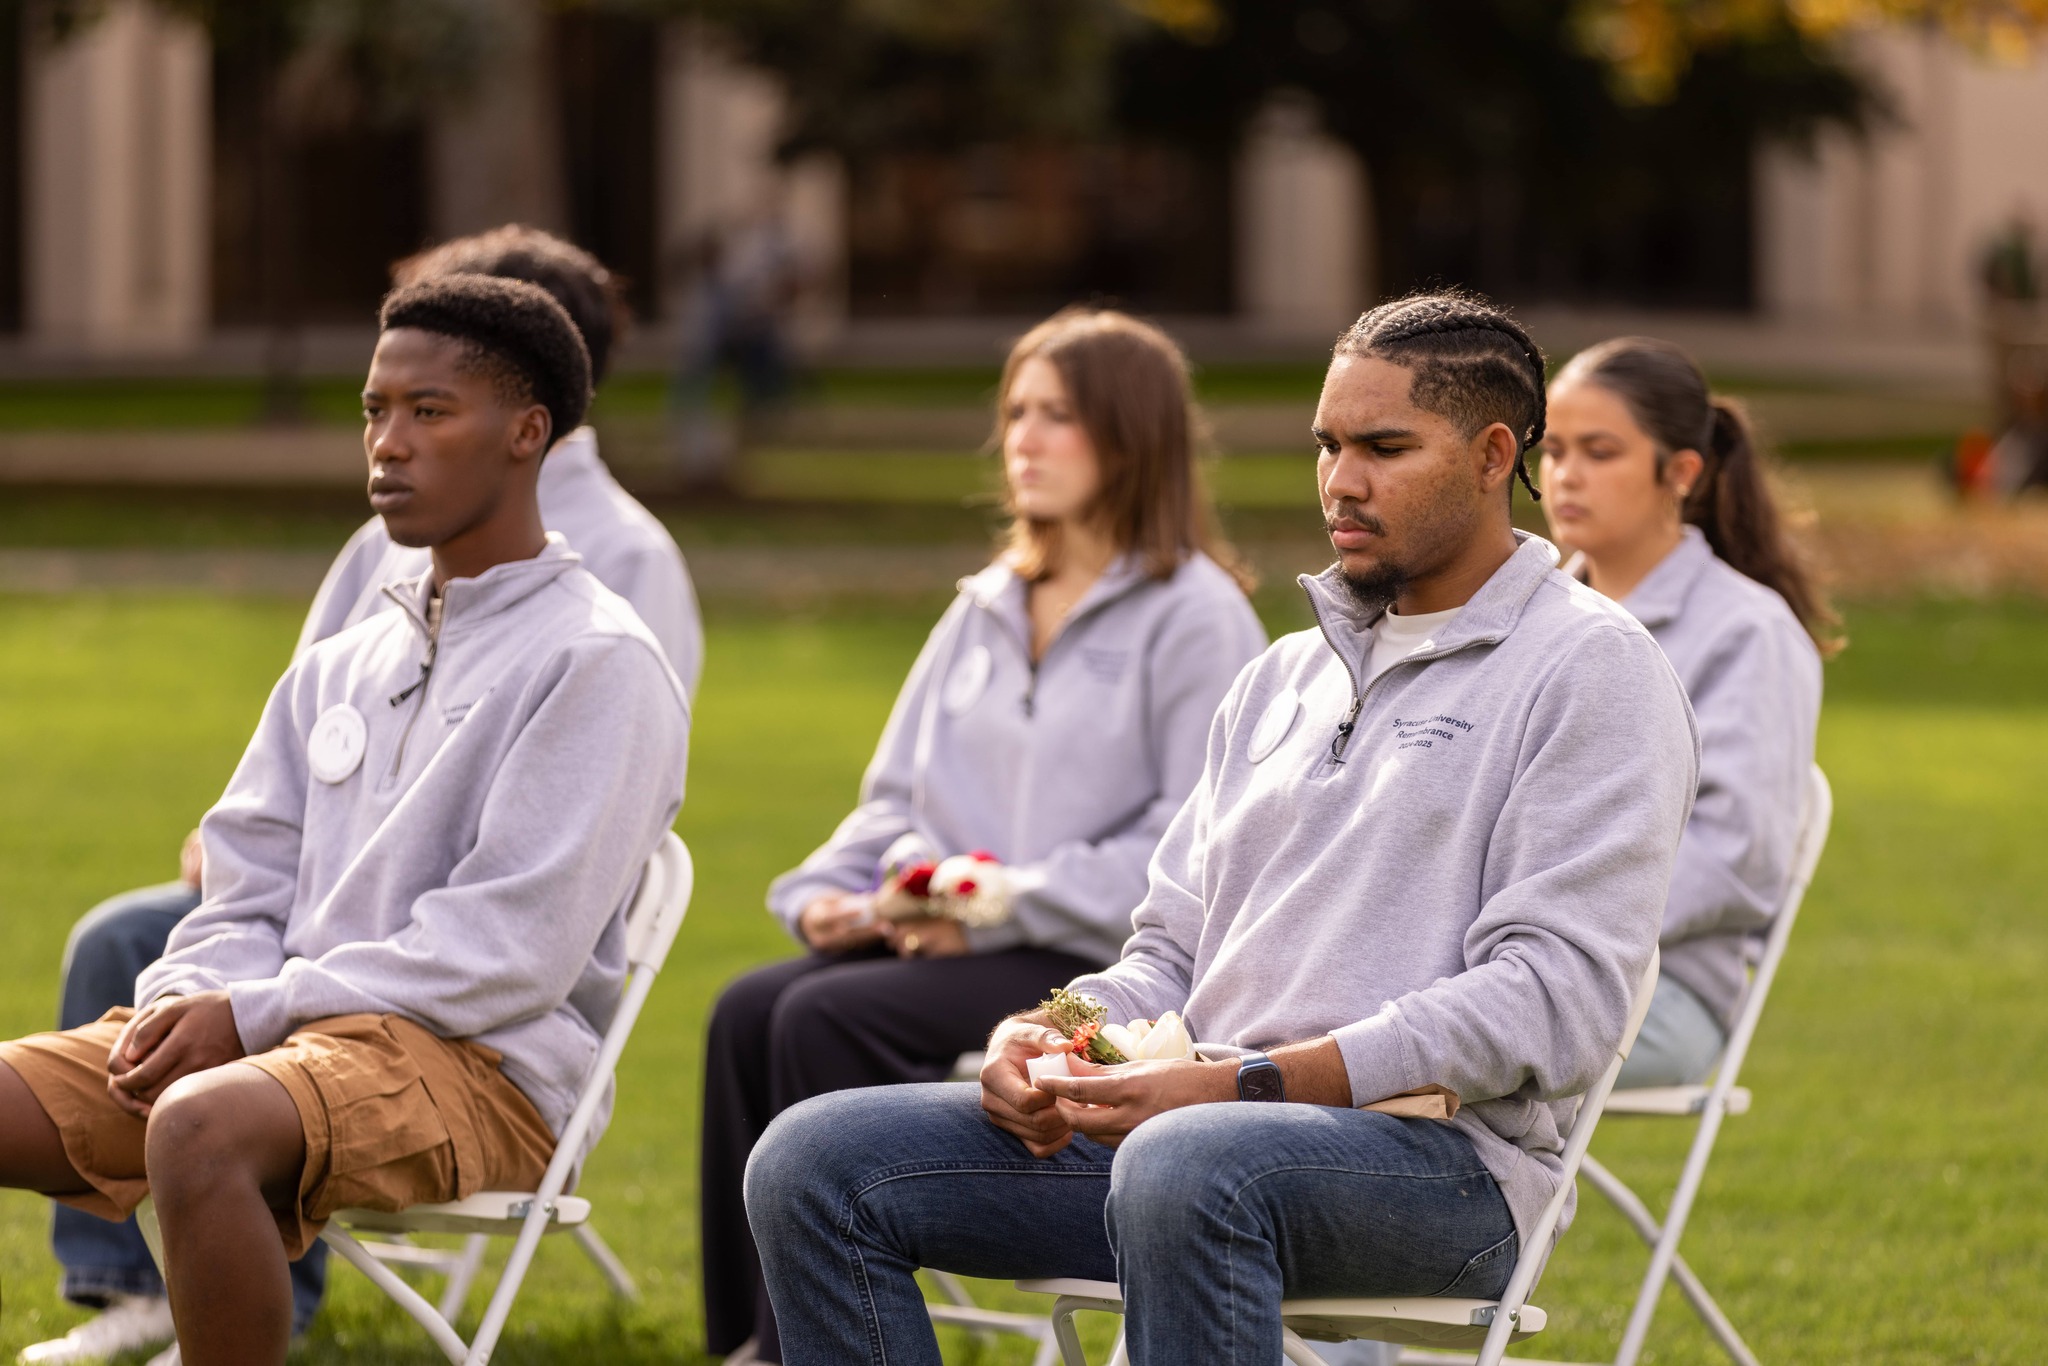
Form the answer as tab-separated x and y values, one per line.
1138	1041
1142	1040
973	889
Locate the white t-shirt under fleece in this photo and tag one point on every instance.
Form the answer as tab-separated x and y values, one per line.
1396	637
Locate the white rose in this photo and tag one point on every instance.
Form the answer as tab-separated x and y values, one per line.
977	875
1141	1039
976	890
1167	1038
1124	1038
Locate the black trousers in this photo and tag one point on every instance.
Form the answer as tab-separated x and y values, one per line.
815	1024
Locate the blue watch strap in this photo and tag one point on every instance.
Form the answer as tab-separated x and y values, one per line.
1258	1078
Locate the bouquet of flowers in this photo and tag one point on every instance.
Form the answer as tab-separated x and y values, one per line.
1090	1036
970	888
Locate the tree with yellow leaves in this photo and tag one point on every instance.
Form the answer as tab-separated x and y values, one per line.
1648	44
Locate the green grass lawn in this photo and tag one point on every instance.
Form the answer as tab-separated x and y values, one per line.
1883	1203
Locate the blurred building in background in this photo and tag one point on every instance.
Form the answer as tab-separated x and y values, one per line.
149	206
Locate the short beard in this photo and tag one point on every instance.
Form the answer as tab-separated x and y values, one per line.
1376	589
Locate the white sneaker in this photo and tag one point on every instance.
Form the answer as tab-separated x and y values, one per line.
130	1323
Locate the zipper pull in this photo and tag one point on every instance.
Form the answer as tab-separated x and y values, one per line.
418	683
426	670
1344	727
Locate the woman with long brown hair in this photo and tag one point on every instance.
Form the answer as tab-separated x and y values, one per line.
1057	718
1657	484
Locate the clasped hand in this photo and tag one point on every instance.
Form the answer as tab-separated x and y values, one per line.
1101	1103
171	1037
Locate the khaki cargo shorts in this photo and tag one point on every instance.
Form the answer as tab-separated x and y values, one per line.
394	1116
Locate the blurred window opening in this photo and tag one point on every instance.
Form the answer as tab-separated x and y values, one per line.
355	201
607	66
1026	227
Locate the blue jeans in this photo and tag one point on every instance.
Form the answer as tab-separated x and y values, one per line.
1205	1216
109	947
1680	1042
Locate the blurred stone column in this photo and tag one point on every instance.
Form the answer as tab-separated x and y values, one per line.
1303	226
494	153
1891	226
117	190
721	122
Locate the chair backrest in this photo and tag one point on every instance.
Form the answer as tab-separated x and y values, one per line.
659	904
1536	1247
1814	822
1638	1011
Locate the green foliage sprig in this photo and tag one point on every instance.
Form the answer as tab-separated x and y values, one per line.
1081	1020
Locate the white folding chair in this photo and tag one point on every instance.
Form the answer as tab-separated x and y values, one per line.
1437	1321
1711	1103
958	1306
651	924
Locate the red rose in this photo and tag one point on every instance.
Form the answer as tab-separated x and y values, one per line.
965	886
917	879
985	856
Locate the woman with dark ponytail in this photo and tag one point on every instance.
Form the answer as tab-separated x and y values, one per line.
1656	484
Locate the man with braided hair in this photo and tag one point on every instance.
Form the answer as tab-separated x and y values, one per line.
1403	914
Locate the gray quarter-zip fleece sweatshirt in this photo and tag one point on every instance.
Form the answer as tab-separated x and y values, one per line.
1754	678
621	542
469	868
1068	771
1457	871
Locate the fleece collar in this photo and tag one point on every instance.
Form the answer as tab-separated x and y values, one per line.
1658	598
1488	616
1000	590
465	602
573	460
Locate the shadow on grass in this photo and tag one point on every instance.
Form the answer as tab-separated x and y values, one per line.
616	1335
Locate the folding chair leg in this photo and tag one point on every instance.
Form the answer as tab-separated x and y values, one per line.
955	1291
615	1273
1645	1224
1297	1351
462	1270
1064	1332
407	1298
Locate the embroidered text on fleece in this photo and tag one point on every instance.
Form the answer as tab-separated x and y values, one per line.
1753	675
621	542
1067	771
455	843
1457	870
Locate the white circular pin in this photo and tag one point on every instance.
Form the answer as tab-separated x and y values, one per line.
1275	724
335	748
967	681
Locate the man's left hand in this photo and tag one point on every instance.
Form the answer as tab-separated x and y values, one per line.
1107	1103
171	1037
932	936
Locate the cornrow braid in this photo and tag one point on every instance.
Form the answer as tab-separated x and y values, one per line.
1469	360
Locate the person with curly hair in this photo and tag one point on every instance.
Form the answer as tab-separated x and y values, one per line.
1403	913
416	881
108	1266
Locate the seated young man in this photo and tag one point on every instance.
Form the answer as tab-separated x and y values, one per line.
106	1264
1429	850
412	931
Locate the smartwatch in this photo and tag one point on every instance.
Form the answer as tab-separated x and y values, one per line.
1258	1078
